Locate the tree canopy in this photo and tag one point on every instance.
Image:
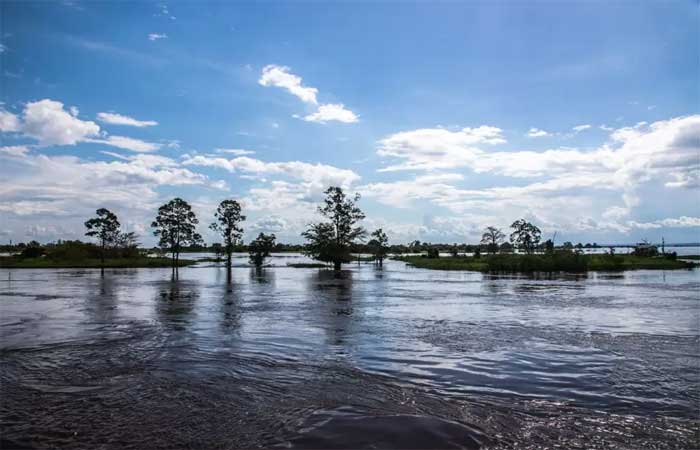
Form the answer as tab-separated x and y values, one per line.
260	248
176	227
379	245
228	218
333	240
525	235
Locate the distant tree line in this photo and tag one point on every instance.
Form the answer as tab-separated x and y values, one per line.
334	240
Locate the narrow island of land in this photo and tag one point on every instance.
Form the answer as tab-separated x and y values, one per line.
556	262
42	262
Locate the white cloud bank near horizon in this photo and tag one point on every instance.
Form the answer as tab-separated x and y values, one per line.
562	189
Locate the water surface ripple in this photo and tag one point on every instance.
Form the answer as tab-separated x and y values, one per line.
374	358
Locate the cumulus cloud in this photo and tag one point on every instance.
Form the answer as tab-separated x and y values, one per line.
47	122
319	174
68	185
50	124
536	132
270	224
332	111
9	122
156	36
118	119
574	189
580	128
437	148
280	76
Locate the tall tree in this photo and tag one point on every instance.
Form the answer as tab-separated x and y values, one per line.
379	245
260	248
491	238
333	240
525	235
228	218
105	227
176	225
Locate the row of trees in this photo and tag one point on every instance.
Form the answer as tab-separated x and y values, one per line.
332	240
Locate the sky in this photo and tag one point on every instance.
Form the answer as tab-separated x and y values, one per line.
446	117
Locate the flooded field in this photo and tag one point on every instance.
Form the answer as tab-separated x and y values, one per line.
392	358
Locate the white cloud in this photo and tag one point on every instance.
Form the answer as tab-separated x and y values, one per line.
9	122
14	150
332	111
318	174
574	186
47	122
536	132
580	128
437	148
280	76
156	36
68	185
127	143
118	119
680	222
235	151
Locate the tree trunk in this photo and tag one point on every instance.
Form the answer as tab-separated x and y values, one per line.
336	266
102	259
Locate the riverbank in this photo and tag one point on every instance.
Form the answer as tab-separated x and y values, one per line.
15	262
559	262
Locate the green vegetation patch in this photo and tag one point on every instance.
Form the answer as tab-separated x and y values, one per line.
14	262
556	262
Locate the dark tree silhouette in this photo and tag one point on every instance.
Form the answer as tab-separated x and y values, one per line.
379	245
176	227
332	241
105	227
492	238
525	235
260	248
228	217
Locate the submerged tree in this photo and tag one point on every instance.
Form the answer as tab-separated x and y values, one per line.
228	217
105	227
525	235
332	241
379	245
492	238
260	248
176	225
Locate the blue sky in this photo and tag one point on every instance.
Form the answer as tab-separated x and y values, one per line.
445	116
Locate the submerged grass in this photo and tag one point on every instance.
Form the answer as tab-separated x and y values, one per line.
557	262
14	262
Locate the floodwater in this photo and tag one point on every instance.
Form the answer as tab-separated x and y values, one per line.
374	358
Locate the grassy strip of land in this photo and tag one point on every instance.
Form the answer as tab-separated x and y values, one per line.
558	262
693	257
13	262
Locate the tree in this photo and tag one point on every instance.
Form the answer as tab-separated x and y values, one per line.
379	246
228	217
332	241
105	227
525	235
491	238
260	248
549	247
175	225
126	244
